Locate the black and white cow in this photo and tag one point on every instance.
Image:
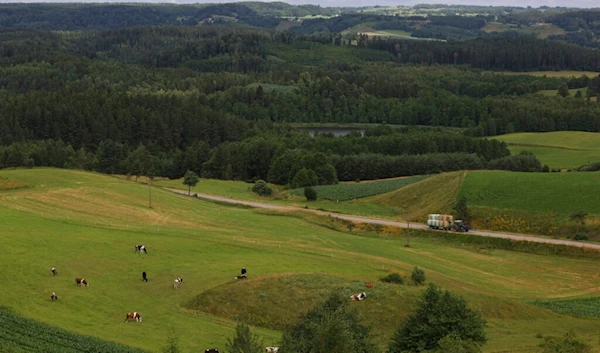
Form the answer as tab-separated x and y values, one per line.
243	275
177	282
211	350
53	271
141	249
144	278
82	282
272	349
359	296
53	296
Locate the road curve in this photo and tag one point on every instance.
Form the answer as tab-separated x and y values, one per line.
512	236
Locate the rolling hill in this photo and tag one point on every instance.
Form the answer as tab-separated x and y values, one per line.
86	224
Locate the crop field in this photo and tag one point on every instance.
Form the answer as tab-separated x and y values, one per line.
351	191
560	149
579	307
20	335
546	192
86	225
541	31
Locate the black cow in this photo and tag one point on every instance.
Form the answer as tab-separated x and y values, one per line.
144	277
141	248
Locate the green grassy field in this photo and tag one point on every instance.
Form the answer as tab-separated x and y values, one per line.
86	224
351	191
560	149
8	184
545	192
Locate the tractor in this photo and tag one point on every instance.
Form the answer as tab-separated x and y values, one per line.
460	226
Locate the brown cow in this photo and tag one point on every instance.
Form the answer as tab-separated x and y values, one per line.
134	315
369	285
82	282
359	296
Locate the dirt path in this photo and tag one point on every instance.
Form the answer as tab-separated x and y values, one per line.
519	237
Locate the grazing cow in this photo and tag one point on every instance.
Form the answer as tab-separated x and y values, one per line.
134	315
243	275
53	296
177	283
141	249
359	296
82	282
53	271
369	285
272	349
211	350
144	277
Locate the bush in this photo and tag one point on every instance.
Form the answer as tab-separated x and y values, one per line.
304	178
418	276
244	341
260	187
568	343
580	236
393	278
442	320
332	326
310	194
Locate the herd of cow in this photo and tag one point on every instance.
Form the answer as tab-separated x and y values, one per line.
135	315
176	284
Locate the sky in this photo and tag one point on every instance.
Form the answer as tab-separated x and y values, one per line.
356	3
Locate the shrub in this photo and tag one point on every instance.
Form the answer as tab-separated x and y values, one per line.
244	341
332	326
310	194
393	278
418	276
580	236
304	178
262	188
442	319
568	343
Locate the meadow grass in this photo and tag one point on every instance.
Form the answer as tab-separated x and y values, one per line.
554	92
86	225
351	191
436	194
558	149
541	31
546	192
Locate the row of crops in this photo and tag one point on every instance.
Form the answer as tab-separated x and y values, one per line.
582	307
350	191
20	335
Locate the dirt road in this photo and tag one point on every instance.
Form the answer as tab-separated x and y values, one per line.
519	237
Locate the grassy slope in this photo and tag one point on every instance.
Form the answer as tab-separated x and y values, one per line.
8	184
86	225
560	149
351	191
415	201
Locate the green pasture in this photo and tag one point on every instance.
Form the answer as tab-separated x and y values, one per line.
572	92
543	192
559	149
541	31
86	225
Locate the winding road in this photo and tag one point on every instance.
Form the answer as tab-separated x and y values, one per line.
518	237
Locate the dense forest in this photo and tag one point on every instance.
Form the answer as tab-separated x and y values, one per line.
218	99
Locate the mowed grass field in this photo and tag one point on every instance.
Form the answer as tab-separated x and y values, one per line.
559	149
86	225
